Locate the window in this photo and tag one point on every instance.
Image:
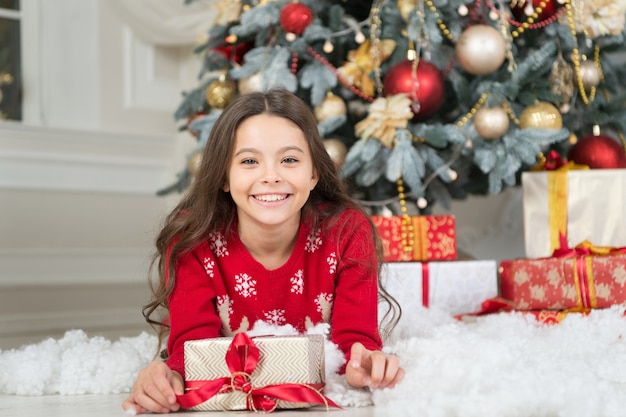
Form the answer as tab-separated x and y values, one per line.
10	61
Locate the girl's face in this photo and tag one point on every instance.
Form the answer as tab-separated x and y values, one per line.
270	174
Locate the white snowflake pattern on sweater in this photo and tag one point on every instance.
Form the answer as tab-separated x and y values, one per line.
224	300
246	285
209	264
323	301
332	263
313	241
297	282
218	244
276	317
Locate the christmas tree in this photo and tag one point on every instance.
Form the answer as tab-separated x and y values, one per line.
427	100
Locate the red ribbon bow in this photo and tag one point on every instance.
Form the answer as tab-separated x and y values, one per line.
242	358
584	248
554	161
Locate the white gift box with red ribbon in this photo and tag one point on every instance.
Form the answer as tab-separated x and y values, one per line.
457	287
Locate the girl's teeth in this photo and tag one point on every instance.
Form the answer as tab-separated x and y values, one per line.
271	197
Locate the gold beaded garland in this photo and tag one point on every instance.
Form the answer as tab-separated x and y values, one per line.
407	235
576	59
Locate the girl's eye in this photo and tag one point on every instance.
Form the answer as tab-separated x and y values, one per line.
290	160
248	161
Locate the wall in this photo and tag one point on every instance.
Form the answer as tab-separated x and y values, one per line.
78	210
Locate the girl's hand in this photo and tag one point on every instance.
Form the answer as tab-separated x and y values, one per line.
155	390
372	368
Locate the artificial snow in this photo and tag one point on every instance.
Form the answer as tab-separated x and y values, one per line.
504	365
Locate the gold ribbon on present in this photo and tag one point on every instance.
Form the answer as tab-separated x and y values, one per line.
582	257
558	169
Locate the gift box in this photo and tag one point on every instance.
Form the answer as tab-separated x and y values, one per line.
579	204
457	287
260	374
569	283
417	238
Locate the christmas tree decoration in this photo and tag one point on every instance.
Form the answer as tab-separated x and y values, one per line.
421	81
190	120
220	93
596	18
295	18
598	151
385	116
332	106
251	84
491	122
562	81
193	163
360	65
541	115
544	9
234	53
590	74
481	49
337	151
406	7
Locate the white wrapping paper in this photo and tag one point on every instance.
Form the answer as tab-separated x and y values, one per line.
457	287
596	210
282	359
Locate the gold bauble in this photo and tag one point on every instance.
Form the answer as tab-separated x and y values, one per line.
220	93
481	49
542	115
193	163
251	84
589	74
331	106
336	150
491	122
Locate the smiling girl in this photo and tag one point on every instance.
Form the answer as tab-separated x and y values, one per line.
266	232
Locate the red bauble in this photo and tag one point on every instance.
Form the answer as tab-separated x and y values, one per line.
428	90
598	152
235	52
521	9
295	18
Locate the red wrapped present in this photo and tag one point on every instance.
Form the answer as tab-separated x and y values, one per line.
417	238
579	282
259	374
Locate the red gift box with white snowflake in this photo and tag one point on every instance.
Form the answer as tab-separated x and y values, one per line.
581	282
417	238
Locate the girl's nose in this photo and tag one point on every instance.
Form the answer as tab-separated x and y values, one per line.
271	175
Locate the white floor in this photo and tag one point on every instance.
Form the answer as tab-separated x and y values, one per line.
110	405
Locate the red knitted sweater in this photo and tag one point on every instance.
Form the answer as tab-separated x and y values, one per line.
330	277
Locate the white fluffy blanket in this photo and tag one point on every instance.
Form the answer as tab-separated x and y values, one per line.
504	365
